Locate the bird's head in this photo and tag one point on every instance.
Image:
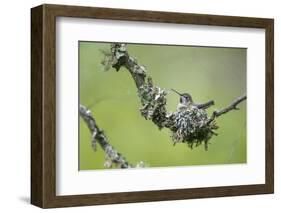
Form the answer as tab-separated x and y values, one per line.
185	98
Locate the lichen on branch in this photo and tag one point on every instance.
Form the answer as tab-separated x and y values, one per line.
152	97
112	156
153	103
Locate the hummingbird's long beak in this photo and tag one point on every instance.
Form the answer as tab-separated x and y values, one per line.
176	92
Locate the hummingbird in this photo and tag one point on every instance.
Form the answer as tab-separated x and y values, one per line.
186	102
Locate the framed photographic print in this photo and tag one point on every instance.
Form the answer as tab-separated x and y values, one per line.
136	106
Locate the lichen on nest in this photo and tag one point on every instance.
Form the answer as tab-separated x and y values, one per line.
191	126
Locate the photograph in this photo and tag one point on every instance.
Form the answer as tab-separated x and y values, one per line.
161	105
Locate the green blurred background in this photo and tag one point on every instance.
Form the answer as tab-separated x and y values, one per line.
206	73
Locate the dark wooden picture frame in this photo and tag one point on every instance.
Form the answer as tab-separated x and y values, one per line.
43	105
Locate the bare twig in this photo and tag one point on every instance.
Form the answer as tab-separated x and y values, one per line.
232	106
98	136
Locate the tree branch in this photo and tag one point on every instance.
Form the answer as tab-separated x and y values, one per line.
98	136
232	106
